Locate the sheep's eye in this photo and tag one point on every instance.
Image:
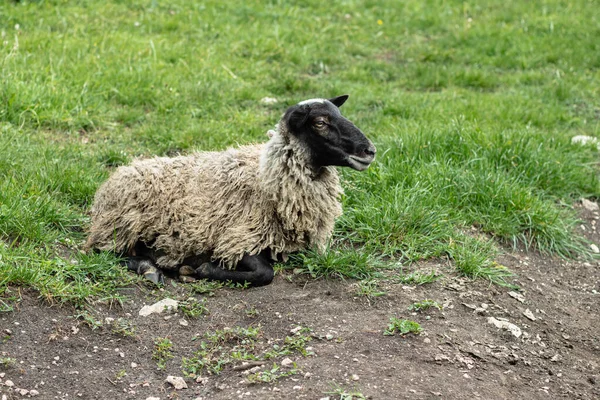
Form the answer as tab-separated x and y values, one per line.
320	124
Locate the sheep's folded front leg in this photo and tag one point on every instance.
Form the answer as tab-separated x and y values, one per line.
256	270
146	267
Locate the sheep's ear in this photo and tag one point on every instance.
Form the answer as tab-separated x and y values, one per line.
338	101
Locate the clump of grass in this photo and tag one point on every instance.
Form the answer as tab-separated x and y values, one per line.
402	327
424	305
417	277
7	362
220	348
88	319
347	395
193	307
163	352
272	375
370	289
123	327
339	262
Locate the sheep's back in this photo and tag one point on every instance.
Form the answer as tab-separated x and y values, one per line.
173	204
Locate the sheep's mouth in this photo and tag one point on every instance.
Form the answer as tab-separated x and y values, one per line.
360	163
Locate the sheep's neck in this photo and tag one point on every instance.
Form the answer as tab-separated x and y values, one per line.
287	175
285	162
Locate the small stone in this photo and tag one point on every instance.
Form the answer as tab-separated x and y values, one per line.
152	398
183	322
594	248
512	328
295	330
177	382
355	377
297	388
159	307
134	365
584	140
529	314
202	380
22	392
33	393
268	100
8	383
426	340
589	205
286	362
517	296
329	336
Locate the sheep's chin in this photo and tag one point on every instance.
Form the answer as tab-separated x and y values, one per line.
359	163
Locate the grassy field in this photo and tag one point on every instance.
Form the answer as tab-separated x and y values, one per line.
472	108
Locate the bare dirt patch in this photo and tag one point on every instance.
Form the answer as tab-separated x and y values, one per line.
460	354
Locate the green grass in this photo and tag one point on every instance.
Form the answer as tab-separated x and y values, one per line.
162	352
471	106
402	327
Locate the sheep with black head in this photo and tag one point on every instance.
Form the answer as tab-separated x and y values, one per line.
229	215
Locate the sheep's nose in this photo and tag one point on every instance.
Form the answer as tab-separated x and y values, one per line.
371	151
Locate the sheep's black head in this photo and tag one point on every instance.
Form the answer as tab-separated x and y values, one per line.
330	138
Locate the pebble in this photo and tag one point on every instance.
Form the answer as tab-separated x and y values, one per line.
584	140
297	388
517	296
183	322
286	362
355	377
177	382
295	330
594	248
512	328
529	314
9	383
153	398
268	100
589	205
159	307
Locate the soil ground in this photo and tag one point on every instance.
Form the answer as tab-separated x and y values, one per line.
459	355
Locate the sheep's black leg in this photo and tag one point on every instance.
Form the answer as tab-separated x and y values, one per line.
256	270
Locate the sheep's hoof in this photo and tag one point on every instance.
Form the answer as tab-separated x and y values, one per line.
186	270
204	271
155	277
186	279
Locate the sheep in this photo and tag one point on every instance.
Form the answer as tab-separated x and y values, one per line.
230	215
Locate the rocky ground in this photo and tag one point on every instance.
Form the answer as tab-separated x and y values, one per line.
487	342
